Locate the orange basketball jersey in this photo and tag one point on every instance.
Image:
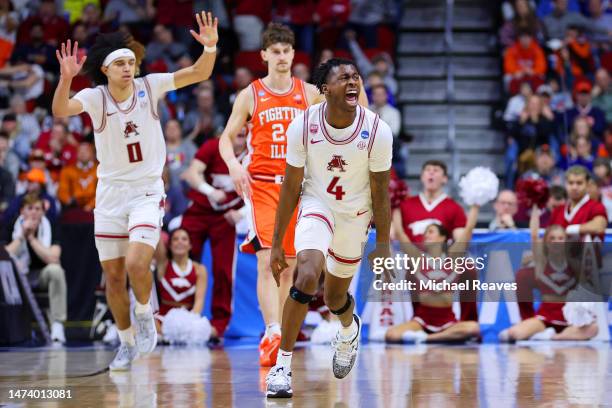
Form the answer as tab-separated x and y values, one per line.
272	114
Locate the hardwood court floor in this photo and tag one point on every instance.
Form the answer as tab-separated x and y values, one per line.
498	376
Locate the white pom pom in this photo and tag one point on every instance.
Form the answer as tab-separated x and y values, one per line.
184	327
478	186
579	313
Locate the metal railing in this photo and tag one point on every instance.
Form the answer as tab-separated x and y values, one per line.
450	93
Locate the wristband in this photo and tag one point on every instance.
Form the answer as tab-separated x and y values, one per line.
573	229
210	49
205	188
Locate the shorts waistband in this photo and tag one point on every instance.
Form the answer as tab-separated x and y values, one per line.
131	184
269	178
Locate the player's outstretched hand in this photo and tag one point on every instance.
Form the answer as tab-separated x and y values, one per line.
207	26
242	180
277	263
67	57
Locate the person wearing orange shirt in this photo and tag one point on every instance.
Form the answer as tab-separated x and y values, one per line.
77	184
524	61
268	104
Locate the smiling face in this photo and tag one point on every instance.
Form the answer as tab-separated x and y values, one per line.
342	87
432	235
121	71
279	57
180	245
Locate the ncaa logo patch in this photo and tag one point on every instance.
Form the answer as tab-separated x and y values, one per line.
261	93
365	134
141	94
314	128
362	145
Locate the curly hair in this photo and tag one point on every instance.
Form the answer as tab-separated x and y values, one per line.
104	45
319	76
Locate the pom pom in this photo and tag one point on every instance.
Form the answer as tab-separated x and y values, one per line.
182	327
478	186
532	192
579	313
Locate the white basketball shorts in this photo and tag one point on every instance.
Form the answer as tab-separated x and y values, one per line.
127	213
340	237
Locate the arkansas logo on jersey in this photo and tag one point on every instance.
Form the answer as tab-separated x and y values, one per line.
336	163
130	128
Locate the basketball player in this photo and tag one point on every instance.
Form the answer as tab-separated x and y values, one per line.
343	153
131	150
434	319
581	219
269	105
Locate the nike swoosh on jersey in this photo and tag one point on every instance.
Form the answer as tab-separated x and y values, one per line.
315	141
265	99
361	212
110	114
149	194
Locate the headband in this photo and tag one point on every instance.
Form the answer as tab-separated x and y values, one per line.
120	53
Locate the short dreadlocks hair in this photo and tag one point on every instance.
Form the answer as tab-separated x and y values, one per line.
104	45
319	76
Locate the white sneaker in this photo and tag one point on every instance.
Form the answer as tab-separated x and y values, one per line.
544	335
112	335
278	383
57	333
145	332
345	351
415	337
123	360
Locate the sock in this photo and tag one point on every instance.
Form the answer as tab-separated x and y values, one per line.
284	359
272	329
414	336
127	336
350	330
142	309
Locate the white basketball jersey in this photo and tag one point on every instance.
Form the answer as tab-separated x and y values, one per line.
130	144
338	161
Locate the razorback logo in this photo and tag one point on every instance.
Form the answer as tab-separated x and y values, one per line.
336	163
130	128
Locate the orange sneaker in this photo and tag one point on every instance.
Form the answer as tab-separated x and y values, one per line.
268	350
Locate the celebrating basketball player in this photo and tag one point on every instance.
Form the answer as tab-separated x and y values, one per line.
131	150
269	104
343	153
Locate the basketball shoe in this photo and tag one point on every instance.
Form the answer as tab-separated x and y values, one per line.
278	383
268	350
123	360
145	333
345	351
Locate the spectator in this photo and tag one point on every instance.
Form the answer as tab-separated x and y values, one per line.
19	142
242	78
374	79
59	148
387	112
579	51
36	51
27	123
163	48
381	63
545	167
55	28
77	182
250	17
601	23
9	21
35	244
299	16
91	18
560	19
535	126
179	153
325	55
506	207
558	197
37	161
8	159
25	80
561	100
301	71
35	180
524	61
605	148
75	9
524	20
130	12
603	178
583	108
366	16
7	181
331	17
602	93
516	105
579	154
204	121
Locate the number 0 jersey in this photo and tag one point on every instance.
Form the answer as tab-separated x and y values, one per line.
338	162
272	114
130	144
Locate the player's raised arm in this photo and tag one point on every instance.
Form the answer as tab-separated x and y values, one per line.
70	66
203	67
239	116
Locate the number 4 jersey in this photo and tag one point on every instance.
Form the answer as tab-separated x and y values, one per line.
338	162
130	144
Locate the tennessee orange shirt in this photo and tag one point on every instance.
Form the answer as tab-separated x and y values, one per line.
272	114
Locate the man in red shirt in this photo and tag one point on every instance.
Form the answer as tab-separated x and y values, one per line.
432	206
213	214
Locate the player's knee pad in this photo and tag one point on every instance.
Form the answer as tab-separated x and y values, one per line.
347	305
300	296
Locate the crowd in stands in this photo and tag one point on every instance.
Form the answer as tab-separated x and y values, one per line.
51	161
557	59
